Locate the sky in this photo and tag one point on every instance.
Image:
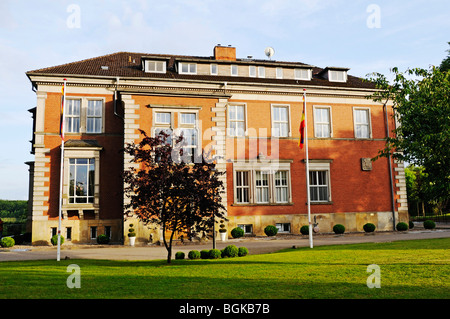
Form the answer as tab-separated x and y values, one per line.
365	36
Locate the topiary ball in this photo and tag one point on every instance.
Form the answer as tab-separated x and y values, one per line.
102	239
7	242
179	255
54	240
194	254
231	251
339	229
214	254
369	228
237	232
429	224
402	226
270	230
204	254
304	230
243	251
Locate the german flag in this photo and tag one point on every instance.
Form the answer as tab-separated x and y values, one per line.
301	141
61	119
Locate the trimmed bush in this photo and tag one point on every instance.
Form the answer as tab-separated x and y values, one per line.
179	255
304	230
54	240
7	242
194	254
204	254
270	230
237	232
369	228
429	224
214	254
102	239
243	251
402	226
231	251
411	225
339	229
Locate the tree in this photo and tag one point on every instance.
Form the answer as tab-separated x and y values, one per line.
421	103
445	64
182	198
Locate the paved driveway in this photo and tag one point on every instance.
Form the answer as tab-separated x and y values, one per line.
256	245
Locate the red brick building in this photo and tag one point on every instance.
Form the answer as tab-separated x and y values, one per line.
246	111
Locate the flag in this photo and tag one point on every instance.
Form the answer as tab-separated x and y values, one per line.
301	140
61	119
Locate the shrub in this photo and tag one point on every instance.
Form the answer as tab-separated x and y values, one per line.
237	232
222	228
243	251
304	230
339	229
411	225
131	231
231	251
270	230
429	224
402	226
54	240
214	254
102	239
204	254
369	228
7	242
179	255
194	254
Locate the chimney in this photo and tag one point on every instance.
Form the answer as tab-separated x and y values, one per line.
227	53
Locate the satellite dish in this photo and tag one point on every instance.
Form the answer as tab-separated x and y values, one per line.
269	51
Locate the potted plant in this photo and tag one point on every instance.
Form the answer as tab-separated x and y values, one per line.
131	235
223	231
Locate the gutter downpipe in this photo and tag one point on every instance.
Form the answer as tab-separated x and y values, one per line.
390	168
115	98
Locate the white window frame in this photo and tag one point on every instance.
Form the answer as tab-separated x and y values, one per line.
252	71
230	120
279	73
316	121
356	124
281	226
241	188
155	63
264	176
234	70
333	76
298	74
273	122
83	116
323	167
100	130
192	68
244	228
211	69
261	72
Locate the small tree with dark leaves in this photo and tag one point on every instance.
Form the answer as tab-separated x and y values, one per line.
182	198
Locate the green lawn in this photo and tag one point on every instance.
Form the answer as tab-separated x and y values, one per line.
409	269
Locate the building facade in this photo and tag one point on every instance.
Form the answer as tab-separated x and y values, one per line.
246	112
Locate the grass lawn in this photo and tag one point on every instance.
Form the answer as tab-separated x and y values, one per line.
409	269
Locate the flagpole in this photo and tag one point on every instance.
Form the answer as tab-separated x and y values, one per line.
61	173
310	228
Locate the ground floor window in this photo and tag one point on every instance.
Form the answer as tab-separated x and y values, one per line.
318	186
283	227
247	228
81	180
93	232
108	231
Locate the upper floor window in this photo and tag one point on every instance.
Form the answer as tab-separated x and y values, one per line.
72	116
322	121
234	70
214	69
155	66
187	68
279	73
94	116
337	76
280	121
81	180
252	71
361	118
83	115
261	72
236	120
302	74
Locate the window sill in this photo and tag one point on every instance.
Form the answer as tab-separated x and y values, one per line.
320	203
261	204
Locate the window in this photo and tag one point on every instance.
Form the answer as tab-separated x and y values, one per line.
236	120
252	71
283	227
281	187
187	68
81	180
93	232
234	70
69	233
94	116
155	66
280	121
337	76
242	187
72	116
108	231
214	69
361	123
262	186
322	123
261	72
318	186
279	73
302	74
247	228
163	118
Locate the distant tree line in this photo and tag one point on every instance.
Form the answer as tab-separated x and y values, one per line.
13	208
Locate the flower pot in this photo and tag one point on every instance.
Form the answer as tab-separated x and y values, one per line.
132	240
223	236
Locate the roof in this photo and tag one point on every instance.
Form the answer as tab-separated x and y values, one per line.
129	65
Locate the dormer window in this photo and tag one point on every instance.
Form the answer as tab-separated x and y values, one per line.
155	66
337	76
214	69
261	72
252	71
187	68
302	74
234	70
